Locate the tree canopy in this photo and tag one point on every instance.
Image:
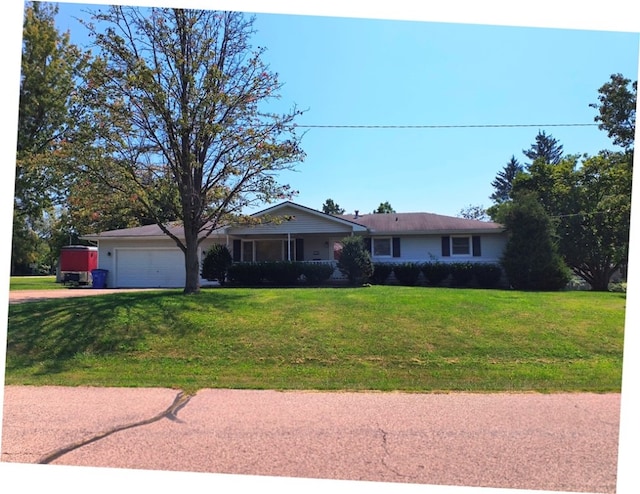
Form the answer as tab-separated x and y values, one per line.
384	207
591	202
472	212
331	207
48	109
617	109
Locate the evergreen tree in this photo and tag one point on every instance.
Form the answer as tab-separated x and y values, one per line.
531	260
355	261
504	180
545	148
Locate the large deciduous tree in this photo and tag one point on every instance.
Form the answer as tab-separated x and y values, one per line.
48	109
617	109
178	109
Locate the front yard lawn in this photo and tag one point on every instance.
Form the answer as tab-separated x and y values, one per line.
34	283
376	338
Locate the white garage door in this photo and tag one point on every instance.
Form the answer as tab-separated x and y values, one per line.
153	268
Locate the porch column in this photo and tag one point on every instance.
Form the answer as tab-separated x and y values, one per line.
288	246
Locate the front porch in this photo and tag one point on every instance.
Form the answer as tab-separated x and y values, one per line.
308	248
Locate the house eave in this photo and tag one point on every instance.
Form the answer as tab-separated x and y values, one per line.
473	231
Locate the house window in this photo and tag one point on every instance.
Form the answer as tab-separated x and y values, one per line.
247	251
381	247
460	246
268	250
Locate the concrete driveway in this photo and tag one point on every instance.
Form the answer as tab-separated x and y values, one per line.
565	442
17	296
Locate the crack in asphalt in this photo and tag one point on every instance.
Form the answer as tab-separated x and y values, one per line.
387	454
170	413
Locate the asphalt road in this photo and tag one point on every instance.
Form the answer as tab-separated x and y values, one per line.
557	442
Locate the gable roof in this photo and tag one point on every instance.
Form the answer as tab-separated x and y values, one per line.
288	206
421	223
154	231
377	224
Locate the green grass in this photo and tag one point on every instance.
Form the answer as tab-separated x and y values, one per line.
377	338
34	283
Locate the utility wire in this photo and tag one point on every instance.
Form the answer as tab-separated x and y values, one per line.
471	126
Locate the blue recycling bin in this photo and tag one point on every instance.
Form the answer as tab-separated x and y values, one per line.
99	277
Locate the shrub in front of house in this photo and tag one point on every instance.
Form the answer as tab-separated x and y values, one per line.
246	273
407	273
216	262
381	272
461	274
316	274
487	274
435	272
282	273
355	261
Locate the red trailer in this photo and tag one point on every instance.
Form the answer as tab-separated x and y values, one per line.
77	262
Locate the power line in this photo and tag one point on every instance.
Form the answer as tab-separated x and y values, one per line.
470	126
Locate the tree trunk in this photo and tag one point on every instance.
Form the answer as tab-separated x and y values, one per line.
191	264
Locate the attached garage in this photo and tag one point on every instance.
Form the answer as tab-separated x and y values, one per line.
148	267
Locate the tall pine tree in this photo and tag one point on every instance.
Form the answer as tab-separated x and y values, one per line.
504	180
545	148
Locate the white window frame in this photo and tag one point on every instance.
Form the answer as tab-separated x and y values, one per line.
389	244
469	251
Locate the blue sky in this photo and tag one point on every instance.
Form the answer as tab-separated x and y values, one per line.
357	71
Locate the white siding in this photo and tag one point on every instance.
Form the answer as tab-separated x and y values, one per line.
424	248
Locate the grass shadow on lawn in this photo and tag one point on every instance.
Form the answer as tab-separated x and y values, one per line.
50	333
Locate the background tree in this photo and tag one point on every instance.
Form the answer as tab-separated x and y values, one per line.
591	199
474	213
48	110
175	101
330	207
384	207
503	182
617	109
546	148
531	260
